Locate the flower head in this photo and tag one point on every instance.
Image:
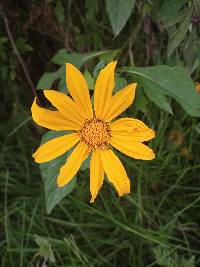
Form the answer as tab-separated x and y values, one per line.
94	133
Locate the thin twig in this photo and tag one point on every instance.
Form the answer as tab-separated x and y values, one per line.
16	51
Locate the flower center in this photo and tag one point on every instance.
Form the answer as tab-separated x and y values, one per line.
95	133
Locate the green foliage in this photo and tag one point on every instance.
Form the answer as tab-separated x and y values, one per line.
179	34
167	10
48	78
3	42
23	46
60	58
119	11
167	258
89	79
101	64
59	11
45	249
120	82
170	81
92	8
50	171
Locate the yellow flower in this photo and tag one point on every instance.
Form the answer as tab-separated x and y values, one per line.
93	133
197	85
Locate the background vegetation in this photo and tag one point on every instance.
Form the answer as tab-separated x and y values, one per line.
158	223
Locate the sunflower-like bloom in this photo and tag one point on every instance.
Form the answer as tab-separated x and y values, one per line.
93	132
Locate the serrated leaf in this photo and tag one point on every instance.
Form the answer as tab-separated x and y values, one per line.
119	11
50	171
179	34
171	81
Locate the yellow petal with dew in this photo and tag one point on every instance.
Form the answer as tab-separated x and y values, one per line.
120	102
78	89
132	130
96	174
73	163
103	89
65	105
135	150
52	120
115	171
55	147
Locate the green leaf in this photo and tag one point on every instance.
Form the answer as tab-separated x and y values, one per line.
23	46
179	34
166	10
50	171
100	65
171	81
120	83
48	78
141	100
160	100
62	57
86	164
89	79
192	51
119	11
177	19
62	85
109	56
45	249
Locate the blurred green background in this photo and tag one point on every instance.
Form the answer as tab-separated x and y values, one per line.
157	224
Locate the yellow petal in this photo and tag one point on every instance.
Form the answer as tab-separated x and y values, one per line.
96	174
78	89
65	105
55	147
53	120
135	150
131	130
120	102
115	171
73	164
103	89
197	85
